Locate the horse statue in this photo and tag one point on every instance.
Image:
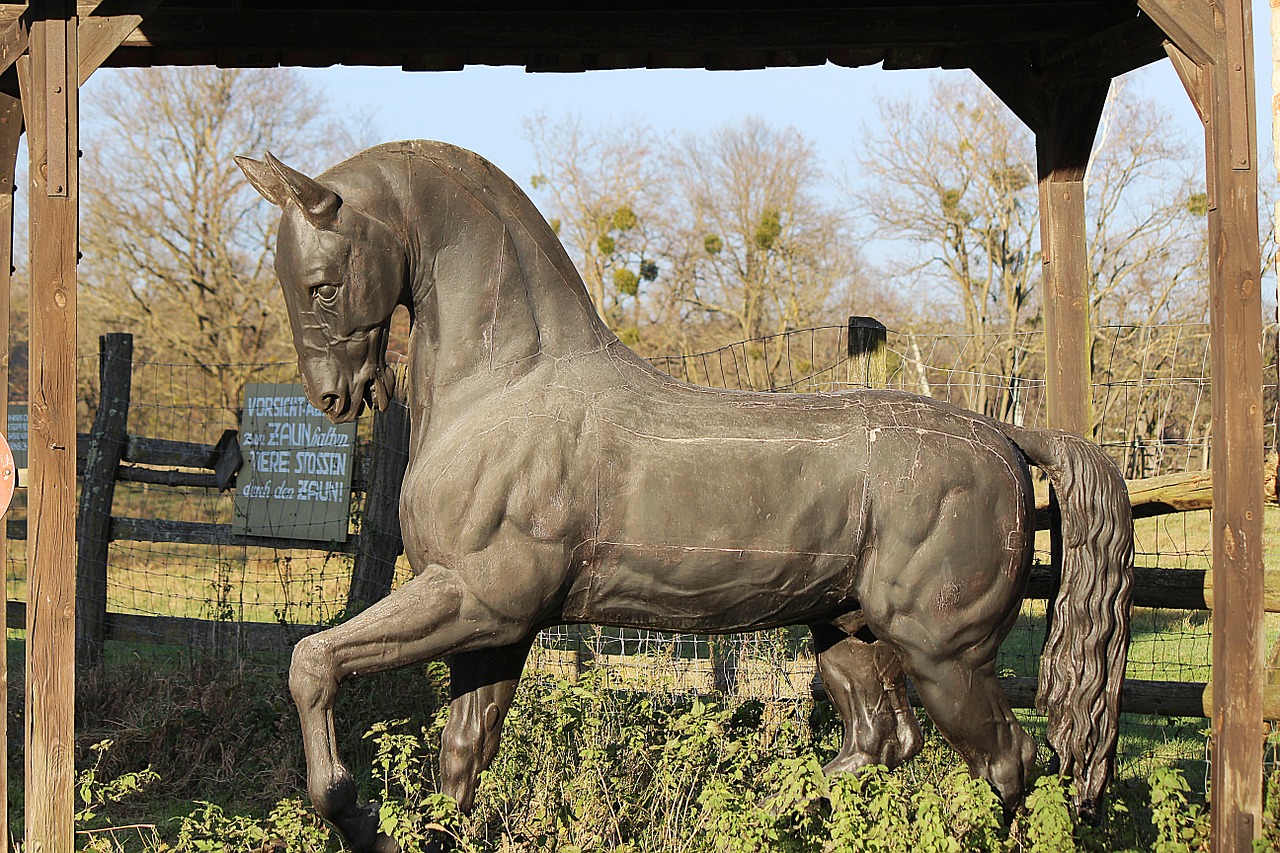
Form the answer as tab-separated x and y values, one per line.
556	477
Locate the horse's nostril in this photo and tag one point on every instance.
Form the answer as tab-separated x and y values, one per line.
330	402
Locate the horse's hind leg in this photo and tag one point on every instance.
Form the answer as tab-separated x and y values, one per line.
483	685
428	618
865	681
972	712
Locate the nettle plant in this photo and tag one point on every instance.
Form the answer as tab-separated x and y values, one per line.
586	768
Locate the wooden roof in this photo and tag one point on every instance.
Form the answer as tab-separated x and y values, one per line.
1062	39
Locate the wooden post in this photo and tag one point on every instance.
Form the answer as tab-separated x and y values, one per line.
1235	319
50	101
868	351
1063	144
1065	121
10	133
380	541
107	441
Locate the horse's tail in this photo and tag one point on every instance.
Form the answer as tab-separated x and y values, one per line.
1088	631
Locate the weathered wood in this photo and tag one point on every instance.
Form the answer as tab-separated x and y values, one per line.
10	134
1062	154
868	352
1158	698
1129	44
167	477
206	634
548	32
1235	344
1194	80
14	38
51	118
190	633
1173	589
174	454
203	533
1170	493
1188	23
940	34
97	492
152	460
379	543
102	33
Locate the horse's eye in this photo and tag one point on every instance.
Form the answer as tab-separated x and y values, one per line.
325	292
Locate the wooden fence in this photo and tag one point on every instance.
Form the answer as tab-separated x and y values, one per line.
108	454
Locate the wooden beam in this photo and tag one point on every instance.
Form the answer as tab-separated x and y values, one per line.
1235	318
10	134
50	683
1188	23
1194	80
107	442
1130	44
112	22
630	37
13	41
1015	82
1063	146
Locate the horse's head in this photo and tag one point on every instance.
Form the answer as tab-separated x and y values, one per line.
343	272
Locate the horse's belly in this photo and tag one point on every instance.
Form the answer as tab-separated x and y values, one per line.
725	534
705	589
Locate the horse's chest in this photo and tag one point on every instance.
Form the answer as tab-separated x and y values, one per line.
464	493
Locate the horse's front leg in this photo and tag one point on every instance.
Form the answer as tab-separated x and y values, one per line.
482	685
431	616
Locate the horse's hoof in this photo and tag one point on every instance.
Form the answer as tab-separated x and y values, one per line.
360	829
385	844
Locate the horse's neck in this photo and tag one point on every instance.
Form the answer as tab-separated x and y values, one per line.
493	290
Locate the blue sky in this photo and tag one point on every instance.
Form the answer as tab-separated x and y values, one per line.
482	108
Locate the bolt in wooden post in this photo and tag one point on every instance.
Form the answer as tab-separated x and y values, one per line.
107	441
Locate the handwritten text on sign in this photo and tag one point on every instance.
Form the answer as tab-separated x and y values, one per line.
298	483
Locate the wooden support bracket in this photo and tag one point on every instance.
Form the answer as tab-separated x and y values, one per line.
1193	78
111	23
1188	23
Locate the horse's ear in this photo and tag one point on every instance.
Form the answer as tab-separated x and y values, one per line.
264	180
317	202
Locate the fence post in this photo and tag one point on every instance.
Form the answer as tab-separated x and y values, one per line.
380	543
868	352
107	443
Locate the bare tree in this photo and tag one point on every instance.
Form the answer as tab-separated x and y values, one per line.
758	245
688	245
1146	204
177	245
953	179
606	188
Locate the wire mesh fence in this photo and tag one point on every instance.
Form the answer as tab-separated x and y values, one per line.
1152	408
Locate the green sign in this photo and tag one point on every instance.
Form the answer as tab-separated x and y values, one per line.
296	480
16	433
